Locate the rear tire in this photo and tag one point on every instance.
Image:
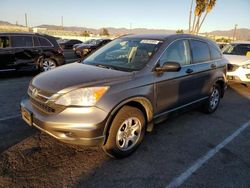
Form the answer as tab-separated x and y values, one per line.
213	101
47	64
126	132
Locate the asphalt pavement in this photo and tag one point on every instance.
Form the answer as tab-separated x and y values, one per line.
191	149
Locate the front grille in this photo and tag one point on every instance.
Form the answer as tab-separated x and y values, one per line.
40	100
41	106
39	95
232	67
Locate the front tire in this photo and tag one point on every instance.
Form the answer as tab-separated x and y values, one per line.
213	101
126	132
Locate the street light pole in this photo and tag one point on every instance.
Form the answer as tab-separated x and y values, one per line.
62	22
26	20
234	34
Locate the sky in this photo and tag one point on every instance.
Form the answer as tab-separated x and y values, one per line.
157	14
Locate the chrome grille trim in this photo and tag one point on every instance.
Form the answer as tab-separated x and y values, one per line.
42	101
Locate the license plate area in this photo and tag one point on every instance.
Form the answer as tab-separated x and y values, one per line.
27	116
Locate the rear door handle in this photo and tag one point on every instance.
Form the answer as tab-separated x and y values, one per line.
213	66
189	71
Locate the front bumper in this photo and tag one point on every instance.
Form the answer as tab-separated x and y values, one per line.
84	126
239	75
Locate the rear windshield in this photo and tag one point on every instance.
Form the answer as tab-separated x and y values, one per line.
236	49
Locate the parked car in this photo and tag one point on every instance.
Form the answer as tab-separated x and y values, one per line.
221	44
122	89
28	51
238	55
68	43
86	49
83	43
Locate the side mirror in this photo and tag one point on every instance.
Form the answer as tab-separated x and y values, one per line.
169	67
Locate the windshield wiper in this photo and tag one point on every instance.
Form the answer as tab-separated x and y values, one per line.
105	66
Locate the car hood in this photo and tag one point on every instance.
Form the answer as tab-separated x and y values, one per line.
237	59
75	75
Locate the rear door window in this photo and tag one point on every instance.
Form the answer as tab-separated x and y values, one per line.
21	41
44	42
200	51
178	52
4	42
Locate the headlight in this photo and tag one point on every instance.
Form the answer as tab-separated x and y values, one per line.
247	66
82	97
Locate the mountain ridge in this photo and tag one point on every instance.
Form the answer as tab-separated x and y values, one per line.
241	33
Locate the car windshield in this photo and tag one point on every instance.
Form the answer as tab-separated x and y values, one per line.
124	54
236	49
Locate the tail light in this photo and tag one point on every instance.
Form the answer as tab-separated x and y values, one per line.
60	50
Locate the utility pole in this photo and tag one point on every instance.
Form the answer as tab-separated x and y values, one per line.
130	27
26	20
62	22
234	34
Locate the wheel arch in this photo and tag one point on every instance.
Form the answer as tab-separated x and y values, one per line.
222	85
141	103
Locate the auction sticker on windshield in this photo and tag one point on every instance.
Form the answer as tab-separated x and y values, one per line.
150	41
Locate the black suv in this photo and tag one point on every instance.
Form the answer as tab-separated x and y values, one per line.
122	89
28	51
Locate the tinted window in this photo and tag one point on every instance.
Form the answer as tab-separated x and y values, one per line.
44	42
200	51
21	41
236	49
215	53
36	42
177	52
4	42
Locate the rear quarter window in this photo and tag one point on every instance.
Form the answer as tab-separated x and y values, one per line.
200	51
44	42
21	41
215	53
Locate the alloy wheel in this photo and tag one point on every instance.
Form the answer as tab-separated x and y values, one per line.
48	64
214	98
128	133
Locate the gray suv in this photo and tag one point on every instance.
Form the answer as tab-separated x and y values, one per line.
117	94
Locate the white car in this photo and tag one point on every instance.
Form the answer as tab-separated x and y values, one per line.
238	55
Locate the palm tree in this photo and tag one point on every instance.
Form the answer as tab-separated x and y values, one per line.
190	16
201	7
209	7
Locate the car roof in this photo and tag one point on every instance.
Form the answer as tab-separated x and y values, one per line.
163	36
241	42
23	33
